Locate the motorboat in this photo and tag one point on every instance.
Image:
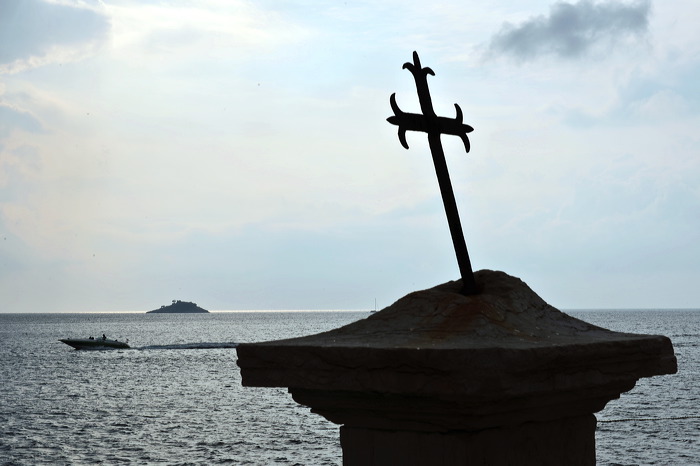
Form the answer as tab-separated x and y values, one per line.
95	343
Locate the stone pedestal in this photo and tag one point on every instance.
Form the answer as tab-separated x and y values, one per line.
569	442
445	379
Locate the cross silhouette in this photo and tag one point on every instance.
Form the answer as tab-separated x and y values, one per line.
430	123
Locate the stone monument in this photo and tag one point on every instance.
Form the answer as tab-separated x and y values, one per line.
478	371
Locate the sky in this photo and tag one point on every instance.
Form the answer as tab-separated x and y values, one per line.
236	154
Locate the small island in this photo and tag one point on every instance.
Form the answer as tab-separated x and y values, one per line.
179	307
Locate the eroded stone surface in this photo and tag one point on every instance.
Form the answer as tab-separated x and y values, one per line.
506	314
505	339
439	361
569	442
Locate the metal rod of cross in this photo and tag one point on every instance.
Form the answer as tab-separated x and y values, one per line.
435	126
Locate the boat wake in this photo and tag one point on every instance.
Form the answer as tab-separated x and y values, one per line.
201	345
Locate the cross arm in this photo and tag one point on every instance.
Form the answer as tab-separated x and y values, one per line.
427	124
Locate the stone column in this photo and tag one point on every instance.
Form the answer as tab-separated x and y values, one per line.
440	378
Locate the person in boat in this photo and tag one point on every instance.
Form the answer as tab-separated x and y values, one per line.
92	338
103	337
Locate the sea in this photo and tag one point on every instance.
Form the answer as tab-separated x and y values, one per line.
175	397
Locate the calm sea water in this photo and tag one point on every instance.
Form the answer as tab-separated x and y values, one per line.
176	398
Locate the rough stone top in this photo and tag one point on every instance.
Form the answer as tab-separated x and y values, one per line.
505	314
505	339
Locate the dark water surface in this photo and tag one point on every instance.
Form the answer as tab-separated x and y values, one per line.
176	398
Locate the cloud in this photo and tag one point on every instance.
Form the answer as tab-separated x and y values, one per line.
34	32
572	30
14	118
179	29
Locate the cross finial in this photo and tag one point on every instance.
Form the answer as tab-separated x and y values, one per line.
428	122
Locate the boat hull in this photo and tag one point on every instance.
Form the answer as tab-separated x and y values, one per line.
94	344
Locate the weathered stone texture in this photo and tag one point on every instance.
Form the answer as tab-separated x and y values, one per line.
463	374
569	442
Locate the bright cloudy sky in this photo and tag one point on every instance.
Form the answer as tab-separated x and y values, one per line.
237	154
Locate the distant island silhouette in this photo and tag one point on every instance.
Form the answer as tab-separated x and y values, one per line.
179	307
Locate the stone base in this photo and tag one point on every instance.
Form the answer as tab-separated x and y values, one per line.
562	442
440	378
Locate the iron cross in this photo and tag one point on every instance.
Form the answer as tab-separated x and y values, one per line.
434	125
